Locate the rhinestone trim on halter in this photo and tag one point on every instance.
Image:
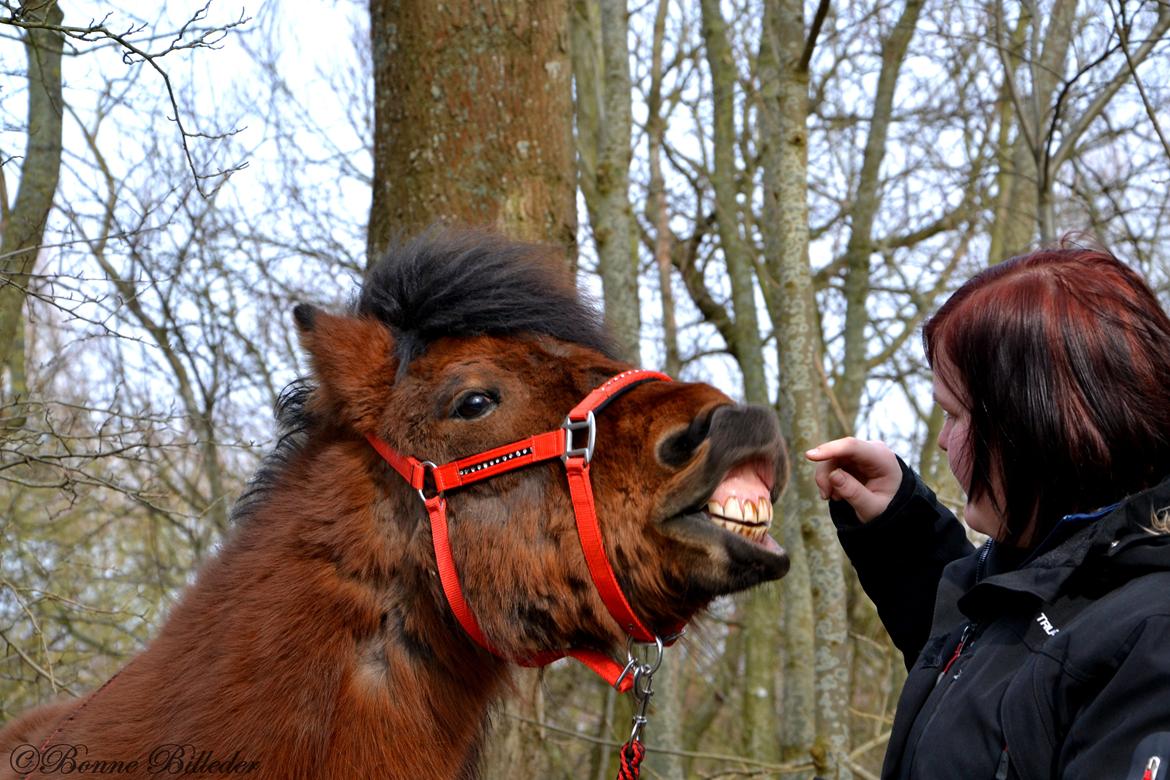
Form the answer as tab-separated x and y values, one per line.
495	461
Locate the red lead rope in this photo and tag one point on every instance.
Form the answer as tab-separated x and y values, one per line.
631	758
535	449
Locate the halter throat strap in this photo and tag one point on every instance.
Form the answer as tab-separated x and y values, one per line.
573	443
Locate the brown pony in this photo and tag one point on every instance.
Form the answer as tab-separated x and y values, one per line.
318	642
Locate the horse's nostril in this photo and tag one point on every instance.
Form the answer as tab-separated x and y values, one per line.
678	448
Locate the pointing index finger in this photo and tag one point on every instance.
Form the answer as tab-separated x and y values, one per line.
831	449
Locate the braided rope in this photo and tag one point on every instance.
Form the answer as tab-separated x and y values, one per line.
631	754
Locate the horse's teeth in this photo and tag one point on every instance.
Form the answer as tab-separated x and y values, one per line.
750	519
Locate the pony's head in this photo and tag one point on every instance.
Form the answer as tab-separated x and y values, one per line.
460	343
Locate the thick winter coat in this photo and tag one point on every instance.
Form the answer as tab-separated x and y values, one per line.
1058	667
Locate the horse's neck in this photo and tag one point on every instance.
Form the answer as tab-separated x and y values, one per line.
319	623
408	680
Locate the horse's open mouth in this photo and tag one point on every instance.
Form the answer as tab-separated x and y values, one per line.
742	503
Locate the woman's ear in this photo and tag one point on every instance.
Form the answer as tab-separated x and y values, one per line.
353	364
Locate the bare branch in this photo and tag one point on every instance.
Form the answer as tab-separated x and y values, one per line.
132	53
1121	25
814	32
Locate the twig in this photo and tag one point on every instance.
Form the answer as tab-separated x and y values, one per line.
209	38
48	675
1123	39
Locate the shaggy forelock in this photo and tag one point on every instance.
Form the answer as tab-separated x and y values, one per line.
468	283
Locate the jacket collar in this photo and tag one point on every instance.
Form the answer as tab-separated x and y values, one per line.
1117	536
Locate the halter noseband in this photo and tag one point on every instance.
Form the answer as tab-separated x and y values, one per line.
432	483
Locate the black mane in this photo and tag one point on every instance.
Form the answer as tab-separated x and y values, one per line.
444	283
293	421
469	283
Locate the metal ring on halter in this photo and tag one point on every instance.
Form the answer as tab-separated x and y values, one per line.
634	664
426	464
631	659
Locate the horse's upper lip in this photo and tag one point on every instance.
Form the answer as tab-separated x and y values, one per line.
750	479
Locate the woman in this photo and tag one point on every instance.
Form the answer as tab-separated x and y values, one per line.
1046	652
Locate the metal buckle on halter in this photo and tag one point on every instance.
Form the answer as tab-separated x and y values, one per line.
428	467
634	663
643	689
569	427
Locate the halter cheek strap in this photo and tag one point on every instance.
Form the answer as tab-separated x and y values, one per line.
433	482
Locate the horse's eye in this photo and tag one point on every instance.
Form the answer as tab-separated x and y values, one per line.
473	404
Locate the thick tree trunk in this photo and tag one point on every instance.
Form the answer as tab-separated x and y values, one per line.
1047	72
784	152
815	589
24	229
587	59
759	613
472	108
1023	208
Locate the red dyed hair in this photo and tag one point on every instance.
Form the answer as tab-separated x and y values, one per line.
1062	357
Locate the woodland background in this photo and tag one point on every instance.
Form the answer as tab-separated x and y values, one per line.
767	194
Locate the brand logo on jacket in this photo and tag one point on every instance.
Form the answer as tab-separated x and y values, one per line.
1046	624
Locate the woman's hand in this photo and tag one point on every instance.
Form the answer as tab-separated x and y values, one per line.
865	474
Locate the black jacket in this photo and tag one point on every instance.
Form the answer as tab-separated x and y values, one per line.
1055	668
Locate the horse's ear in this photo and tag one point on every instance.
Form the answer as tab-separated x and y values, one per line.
353	363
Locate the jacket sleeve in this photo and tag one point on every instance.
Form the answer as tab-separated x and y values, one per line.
1124	729
900	555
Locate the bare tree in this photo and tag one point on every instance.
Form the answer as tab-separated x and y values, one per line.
797	187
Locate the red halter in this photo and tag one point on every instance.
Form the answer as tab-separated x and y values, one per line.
545	446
